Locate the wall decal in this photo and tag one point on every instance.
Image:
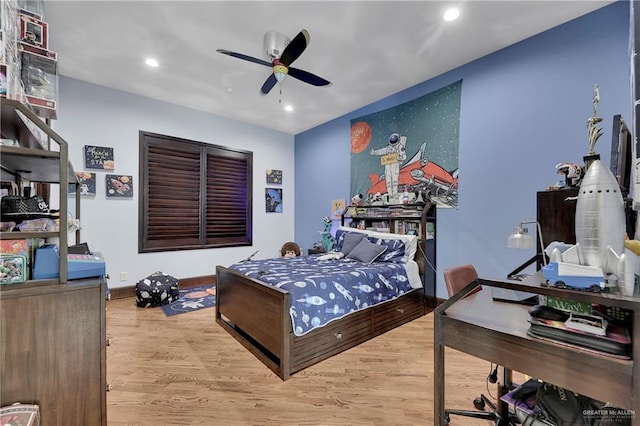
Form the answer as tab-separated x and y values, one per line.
87	184
119	186
410	150
273	200
98	157
274	176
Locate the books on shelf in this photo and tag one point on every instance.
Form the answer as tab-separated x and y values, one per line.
384	211
407	227
379	226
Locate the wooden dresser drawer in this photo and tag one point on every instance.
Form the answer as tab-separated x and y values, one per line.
389	315
331	339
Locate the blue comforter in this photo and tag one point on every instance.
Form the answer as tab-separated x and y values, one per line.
325	290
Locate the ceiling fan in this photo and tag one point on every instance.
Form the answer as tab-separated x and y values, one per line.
282	52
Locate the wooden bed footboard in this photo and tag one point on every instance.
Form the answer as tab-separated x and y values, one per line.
257	315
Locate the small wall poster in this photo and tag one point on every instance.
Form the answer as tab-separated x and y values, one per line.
87	184
274	176
337	208
119	186
98	157
273	200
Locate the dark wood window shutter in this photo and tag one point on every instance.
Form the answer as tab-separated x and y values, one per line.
228	212
193	195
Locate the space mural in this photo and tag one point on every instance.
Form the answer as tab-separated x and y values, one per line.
410	149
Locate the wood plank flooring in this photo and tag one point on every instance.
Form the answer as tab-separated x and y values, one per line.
186	370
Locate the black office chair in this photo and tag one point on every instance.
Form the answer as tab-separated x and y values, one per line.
456	278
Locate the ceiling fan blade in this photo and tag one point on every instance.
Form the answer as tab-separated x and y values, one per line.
307	77
269	83
295	48
245	57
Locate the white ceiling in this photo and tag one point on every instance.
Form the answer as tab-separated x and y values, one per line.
367	49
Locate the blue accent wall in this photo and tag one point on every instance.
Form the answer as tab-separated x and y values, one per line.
524	109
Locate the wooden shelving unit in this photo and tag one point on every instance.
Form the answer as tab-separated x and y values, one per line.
53	331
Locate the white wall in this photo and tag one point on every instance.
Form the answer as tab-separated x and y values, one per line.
94	115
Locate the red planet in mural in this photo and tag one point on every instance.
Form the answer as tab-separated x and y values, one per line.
360	137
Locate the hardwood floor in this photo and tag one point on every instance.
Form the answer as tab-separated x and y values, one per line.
186	370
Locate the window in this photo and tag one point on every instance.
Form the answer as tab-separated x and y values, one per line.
193	195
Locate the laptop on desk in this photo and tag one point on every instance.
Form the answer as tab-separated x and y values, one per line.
514	296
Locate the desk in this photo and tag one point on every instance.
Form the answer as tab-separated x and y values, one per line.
497	332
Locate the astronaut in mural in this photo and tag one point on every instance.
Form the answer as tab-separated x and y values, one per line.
391	156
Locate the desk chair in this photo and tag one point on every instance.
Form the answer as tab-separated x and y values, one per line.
456	278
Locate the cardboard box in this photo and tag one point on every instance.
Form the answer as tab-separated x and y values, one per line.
40	80
33	31
20	414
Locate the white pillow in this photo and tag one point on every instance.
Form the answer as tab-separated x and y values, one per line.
410	241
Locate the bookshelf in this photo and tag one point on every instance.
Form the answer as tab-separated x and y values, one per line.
403	219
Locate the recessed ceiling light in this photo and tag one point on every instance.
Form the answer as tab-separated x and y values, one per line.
288	108
451	14
151	62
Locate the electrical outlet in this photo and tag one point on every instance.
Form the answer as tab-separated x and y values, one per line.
123	276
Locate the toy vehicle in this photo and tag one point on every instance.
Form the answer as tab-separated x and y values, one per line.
573	276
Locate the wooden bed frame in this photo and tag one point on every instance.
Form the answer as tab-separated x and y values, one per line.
257	315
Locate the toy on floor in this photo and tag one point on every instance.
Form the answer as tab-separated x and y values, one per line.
290	249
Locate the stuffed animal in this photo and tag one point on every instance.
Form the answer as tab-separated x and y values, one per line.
327	239
290	249
357	200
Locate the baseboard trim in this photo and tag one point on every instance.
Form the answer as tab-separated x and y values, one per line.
130	291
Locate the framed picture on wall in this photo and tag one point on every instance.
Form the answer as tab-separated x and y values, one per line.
98	157
273	200
119	186
274	176
87	184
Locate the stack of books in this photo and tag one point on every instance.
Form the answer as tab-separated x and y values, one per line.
584	331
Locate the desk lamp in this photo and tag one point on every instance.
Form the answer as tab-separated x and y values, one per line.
523	240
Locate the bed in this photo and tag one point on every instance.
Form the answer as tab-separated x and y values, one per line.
276	307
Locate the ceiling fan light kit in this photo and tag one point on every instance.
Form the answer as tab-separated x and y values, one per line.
274	44
282	53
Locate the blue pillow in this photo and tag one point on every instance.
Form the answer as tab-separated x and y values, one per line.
395	250
350	241
340	235
366	251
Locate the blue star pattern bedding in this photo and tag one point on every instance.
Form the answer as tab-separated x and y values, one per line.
325	290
